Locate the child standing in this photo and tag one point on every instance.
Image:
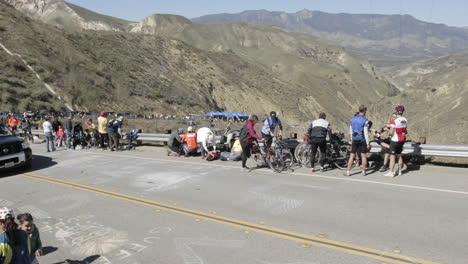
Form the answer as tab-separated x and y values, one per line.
34	239
60	137
14	241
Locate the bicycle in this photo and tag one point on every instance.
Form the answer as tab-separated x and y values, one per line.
278	157
336	155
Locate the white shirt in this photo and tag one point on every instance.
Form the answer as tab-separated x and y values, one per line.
204	138
47	127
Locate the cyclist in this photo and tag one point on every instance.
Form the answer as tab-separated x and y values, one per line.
359	130
317	132
398	131
268	129
189	141
246	136
25	126
385	142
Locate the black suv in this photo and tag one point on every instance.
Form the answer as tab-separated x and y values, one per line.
14	152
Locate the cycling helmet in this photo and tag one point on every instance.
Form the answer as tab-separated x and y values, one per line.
103	113
273	114
6	213
190	129
400	109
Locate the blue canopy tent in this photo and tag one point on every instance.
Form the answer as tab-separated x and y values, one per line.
210	113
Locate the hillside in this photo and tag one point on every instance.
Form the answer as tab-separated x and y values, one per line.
383	39
323	75
125	72
437	97
65	15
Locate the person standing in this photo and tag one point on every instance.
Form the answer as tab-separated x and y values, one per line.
48	131
318	131
114	129
359	130
68	126
246	136
269	126
398	132
13	123
102	129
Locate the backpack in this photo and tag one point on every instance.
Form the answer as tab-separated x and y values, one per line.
244	134
110	124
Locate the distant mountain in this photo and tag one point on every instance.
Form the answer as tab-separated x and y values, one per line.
383	39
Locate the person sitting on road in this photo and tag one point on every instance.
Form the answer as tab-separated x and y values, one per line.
13	241
269	126
26	223
236	151
317	132
360	139
174	143
189	141
246	136
398	131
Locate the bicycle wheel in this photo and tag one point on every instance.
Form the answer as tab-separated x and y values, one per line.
342	158
302	154
275	161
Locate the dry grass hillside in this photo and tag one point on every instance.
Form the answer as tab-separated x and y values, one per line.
437	97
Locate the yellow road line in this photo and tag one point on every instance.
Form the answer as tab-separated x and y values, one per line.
312	240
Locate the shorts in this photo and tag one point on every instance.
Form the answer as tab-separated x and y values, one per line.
396	148
268	139
386	140
359	147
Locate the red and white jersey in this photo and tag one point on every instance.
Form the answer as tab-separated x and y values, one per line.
400	126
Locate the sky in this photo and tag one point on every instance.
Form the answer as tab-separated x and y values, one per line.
449	12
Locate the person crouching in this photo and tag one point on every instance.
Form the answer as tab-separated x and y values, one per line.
189	141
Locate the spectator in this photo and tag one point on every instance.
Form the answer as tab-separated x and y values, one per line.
13	123
56	124
114	130
25	126
48	131
247	135
189	142
174	143
34	239
59	137
14	241
359	132
69	131
236	151
102	129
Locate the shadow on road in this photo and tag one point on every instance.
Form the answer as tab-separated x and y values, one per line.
39	163
47	250
89	259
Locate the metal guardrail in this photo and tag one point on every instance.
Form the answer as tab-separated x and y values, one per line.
458	151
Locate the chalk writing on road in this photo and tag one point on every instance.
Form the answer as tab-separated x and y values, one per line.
185	250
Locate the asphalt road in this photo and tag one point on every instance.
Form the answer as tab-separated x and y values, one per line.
144	207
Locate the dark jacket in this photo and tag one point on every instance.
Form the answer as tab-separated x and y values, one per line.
34	242
174	140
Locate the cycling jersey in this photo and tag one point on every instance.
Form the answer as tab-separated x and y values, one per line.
271	124
359	128
400	125
319	128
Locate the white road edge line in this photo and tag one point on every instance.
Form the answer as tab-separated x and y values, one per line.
292	173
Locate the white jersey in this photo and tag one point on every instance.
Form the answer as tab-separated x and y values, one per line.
400	126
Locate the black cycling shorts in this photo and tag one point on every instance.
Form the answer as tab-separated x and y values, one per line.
359	147
396	148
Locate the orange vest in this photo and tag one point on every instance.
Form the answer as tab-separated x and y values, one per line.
191	140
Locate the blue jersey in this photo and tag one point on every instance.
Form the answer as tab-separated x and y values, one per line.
269	123
358	123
